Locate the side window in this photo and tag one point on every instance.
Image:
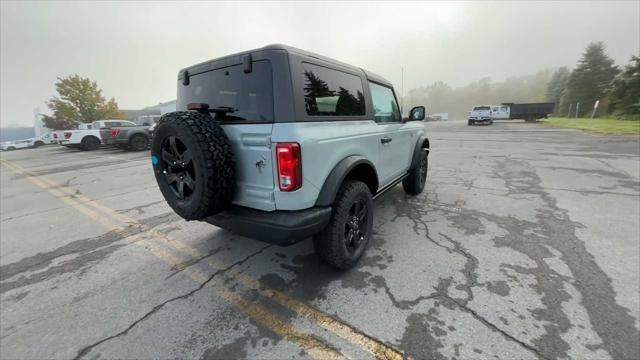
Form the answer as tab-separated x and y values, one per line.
504	108
385	107
495	108
329	92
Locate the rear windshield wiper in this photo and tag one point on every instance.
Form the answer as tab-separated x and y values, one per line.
219	111
223	110
204	107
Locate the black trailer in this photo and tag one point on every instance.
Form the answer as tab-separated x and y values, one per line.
530	111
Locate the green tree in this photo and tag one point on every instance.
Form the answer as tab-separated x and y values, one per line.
557	85
55	123
624	97
79	100
591	78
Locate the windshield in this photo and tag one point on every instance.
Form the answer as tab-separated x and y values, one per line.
481	108
249	96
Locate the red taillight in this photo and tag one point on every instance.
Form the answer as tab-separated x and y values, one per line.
289	166
55	135
115	132
67	134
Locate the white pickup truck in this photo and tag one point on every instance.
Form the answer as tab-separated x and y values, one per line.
480	114
87	137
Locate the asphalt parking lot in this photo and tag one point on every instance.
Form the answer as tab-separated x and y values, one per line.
525	245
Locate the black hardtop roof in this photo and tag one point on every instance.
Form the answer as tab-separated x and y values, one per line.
371	76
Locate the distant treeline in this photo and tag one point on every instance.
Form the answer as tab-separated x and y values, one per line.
595	77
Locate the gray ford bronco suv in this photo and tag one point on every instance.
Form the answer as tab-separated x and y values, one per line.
280	144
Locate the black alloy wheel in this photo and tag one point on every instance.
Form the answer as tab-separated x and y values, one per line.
139	142
356	225
423	170
178	167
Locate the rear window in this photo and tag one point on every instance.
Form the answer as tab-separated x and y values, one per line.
481	108
329	92
248	96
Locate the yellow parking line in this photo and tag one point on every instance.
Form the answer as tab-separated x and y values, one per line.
377	348
314	346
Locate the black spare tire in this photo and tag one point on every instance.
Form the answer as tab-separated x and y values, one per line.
193	164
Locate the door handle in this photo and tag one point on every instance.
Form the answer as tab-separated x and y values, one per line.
386	139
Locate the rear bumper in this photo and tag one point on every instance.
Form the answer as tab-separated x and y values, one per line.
276	227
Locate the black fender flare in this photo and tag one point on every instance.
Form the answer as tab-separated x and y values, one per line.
421	145
335	178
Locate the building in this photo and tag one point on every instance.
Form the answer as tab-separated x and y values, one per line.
163	107
150	114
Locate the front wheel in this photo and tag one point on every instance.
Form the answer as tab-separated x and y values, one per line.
414	183
344	240
470	123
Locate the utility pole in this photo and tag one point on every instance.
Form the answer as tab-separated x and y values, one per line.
402	90
595	107
577	107
569	113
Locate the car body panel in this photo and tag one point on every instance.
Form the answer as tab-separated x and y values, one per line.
124	135
253	151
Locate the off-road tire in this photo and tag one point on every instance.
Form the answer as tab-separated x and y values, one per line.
330	244
138	142
213	163
414	183
90	143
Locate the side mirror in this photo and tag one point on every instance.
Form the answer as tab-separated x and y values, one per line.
417	113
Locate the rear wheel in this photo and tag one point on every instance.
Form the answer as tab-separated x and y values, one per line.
138	142
344	240
414	183
193	164
38	143
90	143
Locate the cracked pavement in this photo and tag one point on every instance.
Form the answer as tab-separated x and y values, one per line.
525	244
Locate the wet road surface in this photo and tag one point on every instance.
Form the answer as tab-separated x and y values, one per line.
525	244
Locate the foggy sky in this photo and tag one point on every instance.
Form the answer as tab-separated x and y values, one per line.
134	50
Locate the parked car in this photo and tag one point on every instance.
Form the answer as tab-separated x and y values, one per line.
528	112
44	139
88	139
281	144
18	144
134	138
480	114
